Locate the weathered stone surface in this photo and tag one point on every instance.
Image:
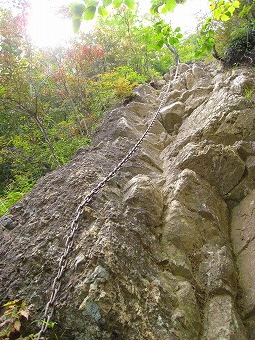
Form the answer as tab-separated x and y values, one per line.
216	272
177	107
246	185
243	237
173	96
224	118
144	198
152	257
195	213
142	109
183	68
172	115
158	84
220	166
195	97
244	149
222	321
144	90
186	318
190	79
8	222
197	77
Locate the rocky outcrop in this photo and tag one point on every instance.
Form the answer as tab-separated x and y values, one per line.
165	251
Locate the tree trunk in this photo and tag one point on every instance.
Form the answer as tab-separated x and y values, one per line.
40	126
175	53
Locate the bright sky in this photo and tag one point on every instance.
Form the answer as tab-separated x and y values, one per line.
46	29
187	16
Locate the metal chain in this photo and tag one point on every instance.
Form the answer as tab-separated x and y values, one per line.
56	284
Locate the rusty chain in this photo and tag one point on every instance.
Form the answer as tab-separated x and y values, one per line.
56	284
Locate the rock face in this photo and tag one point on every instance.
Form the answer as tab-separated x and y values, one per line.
167	249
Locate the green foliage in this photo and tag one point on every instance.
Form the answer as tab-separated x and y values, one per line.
102	11
89	12
14	318
249	94
223	10
16	189
10	321
163	6
119	82
188	50
227	19
51	102
159	34
93	7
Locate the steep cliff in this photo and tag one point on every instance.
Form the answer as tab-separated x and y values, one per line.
166	250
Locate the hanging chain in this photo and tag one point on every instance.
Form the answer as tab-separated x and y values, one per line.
56	284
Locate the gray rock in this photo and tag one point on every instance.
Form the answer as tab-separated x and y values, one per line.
243	238
220	166
7	222
152	256
172	115
144	197
222	321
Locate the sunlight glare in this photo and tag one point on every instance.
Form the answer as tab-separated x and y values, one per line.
45	28
186	16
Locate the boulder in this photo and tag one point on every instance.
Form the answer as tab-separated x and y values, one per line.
172	115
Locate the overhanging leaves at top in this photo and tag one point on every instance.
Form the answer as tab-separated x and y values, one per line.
163	6
89	12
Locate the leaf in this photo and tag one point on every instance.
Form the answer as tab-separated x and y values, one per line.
173	40
3	323
217	13
211	41
160	44
117	3
212	6
76	24
231	9
77	10
24	313
130	3
11	303
107	2
170	5
163	10
166	30
102	11
236	4
90	3
226	16
89	13
154	9
17	325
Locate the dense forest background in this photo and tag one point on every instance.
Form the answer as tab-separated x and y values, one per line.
52	100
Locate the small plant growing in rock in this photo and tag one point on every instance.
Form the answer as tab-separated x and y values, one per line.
249	94
10	321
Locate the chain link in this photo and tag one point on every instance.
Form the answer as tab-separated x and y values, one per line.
56	285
